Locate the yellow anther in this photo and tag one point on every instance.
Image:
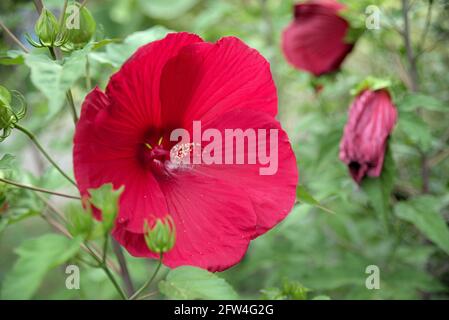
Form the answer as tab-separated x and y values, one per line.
160	141
148	146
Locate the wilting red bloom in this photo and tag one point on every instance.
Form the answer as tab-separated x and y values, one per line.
315	40
167	84
372	117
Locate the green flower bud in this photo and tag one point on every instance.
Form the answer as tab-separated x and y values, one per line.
47	28
295	290
161	237
8	116
80	26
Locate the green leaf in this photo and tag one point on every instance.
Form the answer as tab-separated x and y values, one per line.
15	214
80	223
54	79
5	97
16	204
106	199
416	131
104	42
294	290
7	162
193	283
12	57
423	212
371	83
163	9
353	34
379	189
117	53
304	197
413	101
272	294
36	258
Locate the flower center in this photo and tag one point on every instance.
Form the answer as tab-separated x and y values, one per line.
162	156
155	156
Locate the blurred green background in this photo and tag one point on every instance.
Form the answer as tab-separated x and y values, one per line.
396	226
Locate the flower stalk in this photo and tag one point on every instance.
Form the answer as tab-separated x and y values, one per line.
149	281
38	189
42	150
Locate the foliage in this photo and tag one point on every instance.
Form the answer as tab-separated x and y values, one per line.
194	283
37	257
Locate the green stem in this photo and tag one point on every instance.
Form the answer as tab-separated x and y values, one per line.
83	4
124	272
72	105
422	40
88	78
114	282
86	262
149	281
105	248
42	150
85	246
39	5
414	85
13	37
412	70
102	264
24	186
55	55
52	53
61	18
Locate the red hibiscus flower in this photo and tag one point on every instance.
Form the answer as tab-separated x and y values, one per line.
123	137
315	40
372	117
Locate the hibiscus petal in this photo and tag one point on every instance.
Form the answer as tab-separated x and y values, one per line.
214	221
273	196
105	152
134	89
205	80
96	143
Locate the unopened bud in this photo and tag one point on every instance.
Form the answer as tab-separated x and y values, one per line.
47	28
8	116
161	237
80	26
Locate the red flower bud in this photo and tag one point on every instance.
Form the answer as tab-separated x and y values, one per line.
315	40
372	117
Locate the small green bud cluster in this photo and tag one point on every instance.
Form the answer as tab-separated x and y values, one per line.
10	115
161	237
74	30
80	25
